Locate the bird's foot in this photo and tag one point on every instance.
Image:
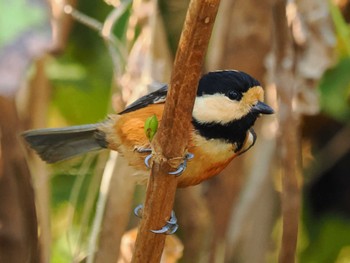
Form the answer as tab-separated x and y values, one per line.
170	227
179	170
183	165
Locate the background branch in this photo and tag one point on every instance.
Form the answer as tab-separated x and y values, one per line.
18	221
288	132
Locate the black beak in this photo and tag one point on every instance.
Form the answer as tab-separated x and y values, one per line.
263	108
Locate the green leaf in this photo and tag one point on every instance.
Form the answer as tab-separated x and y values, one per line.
151	127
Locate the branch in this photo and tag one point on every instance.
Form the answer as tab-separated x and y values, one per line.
288	132
171	140
19	226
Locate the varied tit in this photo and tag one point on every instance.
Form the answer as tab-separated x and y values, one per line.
225	109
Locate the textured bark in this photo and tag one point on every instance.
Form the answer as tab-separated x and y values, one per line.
178	110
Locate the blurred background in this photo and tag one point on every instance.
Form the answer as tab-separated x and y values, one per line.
70	62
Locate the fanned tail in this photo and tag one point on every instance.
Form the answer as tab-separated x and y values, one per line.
57	144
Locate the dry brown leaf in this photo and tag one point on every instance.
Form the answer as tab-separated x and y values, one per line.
173	248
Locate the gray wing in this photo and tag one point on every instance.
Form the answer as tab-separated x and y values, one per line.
155	97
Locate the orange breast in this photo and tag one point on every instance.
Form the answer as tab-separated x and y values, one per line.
125	134
210	158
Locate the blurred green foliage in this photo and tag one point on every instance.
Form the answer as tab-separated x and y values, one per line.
28	16
82	77
335	90
328	235
82	80
174	11
335	84
69	199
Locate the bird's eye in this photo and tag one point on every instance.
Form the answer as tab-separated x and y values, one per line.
233	95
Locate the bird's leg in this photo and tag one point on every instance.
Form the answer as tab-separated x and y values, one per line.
170	227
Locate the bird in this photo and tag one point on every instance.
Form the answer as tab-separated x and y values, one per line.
227	104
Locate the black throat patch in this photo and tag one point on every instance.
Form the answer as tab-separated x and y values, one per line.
232	132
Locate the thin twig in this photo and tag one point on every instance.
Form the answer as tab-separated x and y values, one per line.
118	54
89	203
115	47
171	141
116	213
82	18
73	199
101	204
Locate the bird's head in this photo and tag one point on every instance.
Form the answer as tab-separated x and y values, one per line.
227	96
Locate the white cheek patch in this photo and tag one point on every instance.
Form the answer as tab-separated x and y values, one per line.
218	108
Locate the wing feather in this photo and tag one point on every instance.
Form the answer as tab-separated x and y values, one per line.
155	97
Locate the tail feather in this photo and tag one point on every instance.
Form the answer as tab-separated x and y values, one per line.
57	144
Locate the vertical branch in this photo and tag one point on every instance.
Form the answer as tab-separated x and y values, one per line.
36	115
289	137
172	138
18	220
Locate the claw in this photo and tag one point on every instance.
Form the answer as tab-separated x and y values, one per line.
137	211
148	157
170	227
179	170
173	219
189	156
182	166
